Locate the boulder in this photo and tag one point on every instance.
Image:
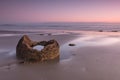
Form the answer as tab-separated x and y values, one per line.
25	51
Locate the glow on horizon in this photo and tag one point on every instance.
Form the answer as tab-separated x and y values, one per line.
59	11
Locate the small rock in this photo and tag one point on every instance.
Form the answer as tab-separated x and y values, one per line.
41	34
74	54
100	30
114	31
49	34
71	44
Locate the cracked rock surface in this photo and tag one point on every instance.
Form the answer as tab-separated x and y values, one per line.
25	51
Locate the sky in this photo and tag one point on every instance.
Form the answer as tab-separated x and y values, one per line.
31	11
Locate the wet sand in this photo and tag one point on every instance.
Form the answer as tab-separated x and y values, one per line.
94	57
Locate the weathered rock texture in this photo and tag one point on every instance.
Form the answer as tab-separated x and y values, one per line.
25	51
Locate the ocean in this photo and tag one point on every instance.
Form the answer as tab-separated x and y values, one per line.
86	26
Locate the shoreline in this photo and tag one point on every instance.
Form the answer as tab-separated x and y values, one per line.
57	32
94	55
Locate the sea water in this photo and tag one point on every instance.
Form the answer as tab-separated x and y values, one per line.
89	26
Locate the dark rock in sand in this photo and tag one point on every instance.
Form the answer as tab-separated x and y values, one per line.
49	34
100	30
114	31
71	44
41	34
25	51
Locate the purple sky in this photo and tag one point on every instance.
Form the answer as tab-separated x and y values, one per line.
26	11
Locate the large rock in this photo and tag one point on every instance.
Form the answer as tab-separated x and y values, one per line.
25	51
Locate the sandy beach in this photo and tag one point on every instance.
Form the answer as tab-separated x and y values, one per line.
59	39
95	56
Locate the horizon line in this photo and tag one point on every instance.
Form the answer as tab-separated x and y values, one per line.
56	22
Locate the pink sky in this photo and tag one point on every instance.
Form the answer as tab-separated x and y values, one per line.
59	11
